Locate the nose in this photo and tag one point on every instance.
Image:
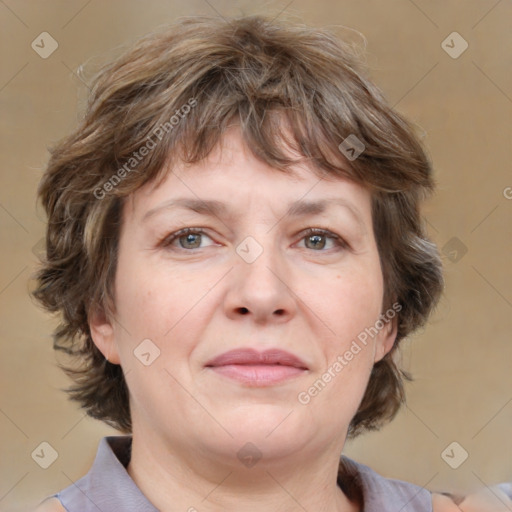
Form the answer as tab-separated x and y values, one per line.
261	289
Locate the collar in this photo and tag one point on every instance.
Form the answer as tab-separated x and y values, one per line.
109	487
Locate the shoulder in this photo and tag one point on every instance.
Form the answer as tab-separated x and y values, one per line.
442	503
50	505
491	499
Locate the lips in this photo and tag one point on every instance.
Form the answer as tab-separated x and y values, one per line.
257	369
255	358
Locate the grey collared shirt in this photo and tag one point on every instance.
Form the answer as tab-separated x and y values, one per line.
108	487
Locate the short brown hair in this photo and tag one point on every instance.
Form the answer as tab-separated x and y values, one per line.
180	89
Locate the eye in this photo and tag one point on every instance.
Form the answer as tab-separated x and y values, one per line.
187	238
316	239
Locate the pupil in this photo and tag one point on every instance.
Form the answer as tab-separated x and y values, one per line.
316	239
192	239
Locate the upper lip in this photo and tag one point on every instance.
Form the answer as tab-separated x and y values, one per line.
251	356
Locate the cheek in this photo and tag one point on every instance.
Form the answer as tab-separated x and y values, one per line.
150	298
351	308
349	303
152	316
162	304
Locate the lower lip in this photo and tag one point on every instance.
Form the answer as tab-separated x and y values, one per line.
258	375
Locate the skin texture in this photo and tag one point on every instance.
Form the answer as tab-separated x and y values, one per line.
309	297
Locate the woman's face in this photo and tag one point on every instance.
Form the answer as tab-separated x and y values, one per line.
248	276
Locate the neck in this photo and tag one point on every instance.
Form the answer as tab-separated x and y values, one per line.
174	480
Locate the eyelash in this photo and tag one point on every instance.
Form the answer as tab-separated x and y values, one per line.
339	242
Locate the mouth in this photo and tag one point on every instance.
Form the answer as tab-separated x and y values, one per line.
258	369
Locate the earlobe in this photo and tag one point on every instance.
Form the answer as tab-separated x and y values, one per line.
386	339
103	335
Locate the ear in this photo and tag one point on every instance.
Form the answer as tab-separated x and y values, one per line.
386	338
103	335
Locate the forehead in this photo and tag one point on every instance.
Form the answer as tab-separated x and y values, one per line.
232	181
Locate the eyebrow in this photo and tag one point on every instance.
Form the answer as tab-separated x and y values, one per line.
216	208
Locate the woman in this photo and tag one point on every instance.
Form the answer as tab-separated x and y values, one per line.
235	245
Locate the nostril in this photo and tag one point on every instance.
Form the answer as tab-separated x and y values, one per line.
244	311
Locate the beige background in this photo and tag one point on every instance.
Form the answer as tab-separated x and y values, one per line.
461	361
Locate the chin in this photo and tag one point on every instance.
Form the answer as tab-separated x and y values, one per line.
271	427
